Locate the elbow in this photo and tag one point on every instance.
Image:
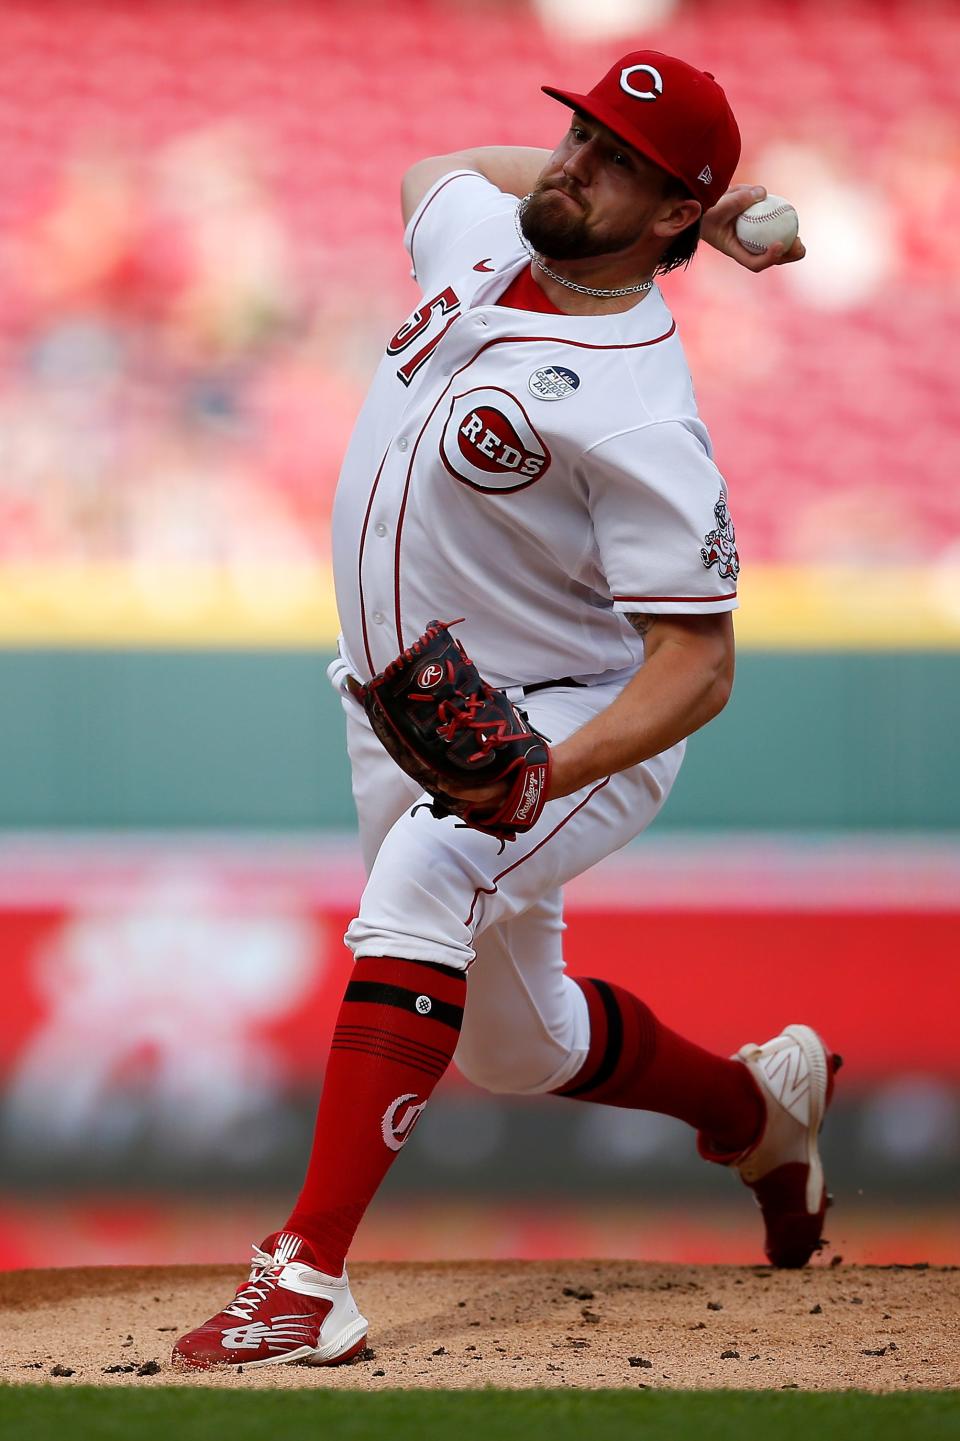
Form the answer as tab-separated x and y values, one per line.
722	687
722	691
425	173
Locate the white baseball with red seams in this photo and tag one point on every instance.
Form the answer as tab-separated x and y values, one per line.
766	223
542	476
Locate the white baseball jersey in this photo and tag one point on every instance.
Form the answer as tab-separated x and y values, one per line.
539	475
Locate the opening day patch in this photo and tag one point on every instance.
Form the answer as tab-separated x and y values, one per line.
553	382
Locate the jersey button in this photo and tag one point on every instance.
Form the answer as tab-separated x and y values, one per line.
402	443
380	528
378	617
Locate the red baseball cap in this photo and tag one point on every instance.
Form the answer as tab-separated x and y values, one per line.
675	115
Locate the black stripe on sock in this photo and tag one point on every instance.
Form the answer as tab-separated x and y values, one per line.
366	1033
395	1044
365	1050
384	1045
378	993
450	971
614	1046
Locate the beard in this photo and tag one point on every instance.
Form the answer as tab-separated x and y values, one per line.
559	228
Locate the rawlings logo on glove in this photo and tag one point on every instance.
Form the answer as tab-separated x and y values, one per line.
450	730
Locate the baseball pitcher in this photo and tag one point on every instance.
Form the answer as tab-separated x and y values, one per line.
535	569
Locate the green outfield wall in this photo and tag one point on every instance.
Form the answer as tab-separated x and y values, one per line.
254	739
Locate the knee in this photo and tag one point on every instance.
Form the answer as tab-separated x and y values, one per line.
530	1072
418	901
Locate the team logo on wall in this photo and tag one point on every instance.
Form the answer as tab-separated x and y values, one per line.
553	382
721	544
489	442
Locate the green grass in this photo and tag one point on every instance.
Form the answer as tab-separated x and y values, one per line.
49	1413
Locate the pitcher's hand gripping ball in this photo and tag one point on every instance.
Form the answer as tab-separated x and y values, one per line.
449	730
763	224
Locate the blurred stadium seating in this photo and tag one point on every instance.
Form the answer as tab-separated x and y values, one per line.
200	217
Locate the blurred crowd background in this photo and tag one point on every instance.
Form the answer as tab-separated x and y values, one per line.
201	259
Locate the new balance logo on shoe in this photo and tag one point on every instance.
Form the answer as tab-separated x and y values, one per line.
306	1315
286	1247
282	1333
788	1077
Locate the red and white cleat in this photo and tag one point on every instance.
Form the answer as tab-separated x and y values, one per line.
794	1073
286	1311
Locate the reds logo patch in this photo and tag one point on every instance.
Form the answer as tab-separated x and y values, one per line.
490	444
721	544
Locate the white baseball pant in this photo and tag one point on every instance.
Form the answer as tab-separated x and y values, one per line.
438	891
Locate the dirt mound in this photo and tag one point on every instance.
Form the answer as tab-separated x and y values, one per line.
513	1324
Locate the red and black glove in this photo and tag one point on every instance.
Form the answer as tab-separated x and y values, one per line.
446	727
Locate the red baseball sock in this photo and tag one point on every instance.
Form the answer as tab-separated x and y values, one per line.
397	1029
636	1062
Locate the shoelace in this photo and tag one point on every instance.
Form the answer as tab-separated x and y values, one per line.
264	1275
492	732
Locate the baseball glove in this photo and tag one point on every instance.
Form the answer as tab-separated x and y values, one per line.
445	726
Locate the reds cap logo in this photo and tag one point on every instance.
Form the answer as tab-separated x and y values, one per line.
652	75
489	442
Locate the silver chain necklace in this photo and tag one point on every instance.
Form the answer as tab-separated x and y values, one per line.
561	279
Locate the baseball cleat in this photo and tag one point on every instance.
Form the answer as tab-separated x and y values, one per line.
285	1311
794	1074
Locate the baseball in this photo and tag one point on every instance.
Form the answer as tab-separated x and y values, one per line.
763	224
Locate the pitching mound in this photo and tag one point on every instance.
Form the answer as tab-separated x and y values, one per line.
509	1324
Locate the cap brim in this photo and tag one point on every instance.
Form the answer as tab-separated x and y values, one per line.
608	117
